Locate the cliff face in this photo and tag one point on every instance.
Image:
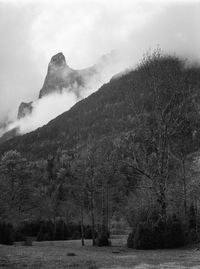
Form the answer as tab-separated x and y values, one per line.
60	77
24	109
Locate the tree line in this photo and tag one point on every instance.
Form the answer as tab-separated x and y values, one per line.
147	176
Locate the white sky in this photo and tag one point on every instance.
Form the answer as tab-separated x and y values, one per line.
32	31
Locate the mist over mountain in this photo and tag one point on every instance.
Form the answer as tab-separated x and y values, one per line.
99	133
110	110
62	88
35	31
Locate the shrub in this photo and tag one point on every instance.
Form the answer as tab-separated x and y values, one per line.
130	240
76	235
88	232
28	242
174	236
46	232
191	217
19	236
102	240
192	236
161	234
6	233
30	228
61	231
143	237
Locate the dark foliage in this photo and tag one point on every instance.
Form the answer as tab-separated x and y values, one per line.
102	240
6	233
192	233
130	240
47	230
192	217
88	232
148	235
61	231
30	228
42	231
19	236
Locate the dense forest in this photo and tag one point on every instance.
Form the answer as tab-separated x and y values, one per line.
124	159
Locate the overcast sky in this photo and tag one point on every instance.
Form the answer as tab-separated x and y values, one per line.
31	32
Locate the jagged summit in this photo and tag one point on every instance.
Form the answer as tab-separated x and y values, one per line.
24	109
60	77
58	61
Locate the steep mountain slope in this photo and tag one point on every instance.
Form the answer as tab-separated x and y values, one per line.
24	110
111	110
62	78
100	114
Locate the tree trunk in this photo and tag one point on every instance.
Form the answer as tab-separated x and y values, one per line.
163	201
82	226
103	213
184	188
107	208
92	213
196	219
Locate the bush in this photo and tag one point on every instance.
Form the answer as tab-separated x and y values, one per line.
149	235
30	228
19	236
6	233
192	236
76	235
28	242
174	236
143	237
61	231
102	240
88	232
130	240
46	232
74	231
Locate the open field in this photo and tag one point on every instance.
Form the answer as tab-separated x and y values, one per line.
53	255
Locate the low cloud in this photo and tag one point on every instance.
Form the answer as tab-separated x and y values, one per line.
52	105
33	31
44	110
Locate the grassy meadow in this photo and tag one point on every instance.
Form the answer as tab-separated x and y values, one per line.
70	254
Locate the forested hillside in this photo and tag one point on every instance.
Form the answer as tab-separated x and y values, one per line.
126	155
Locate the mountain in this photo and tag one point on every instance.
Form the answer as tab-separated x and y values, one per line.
24	109
9	134
113	110
62	78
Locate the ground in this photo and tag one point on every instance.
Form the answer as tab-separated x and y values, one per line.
56	255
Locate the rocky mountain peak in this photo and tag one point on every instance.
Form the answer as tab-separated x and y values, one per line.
60	77
24	109
58	60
